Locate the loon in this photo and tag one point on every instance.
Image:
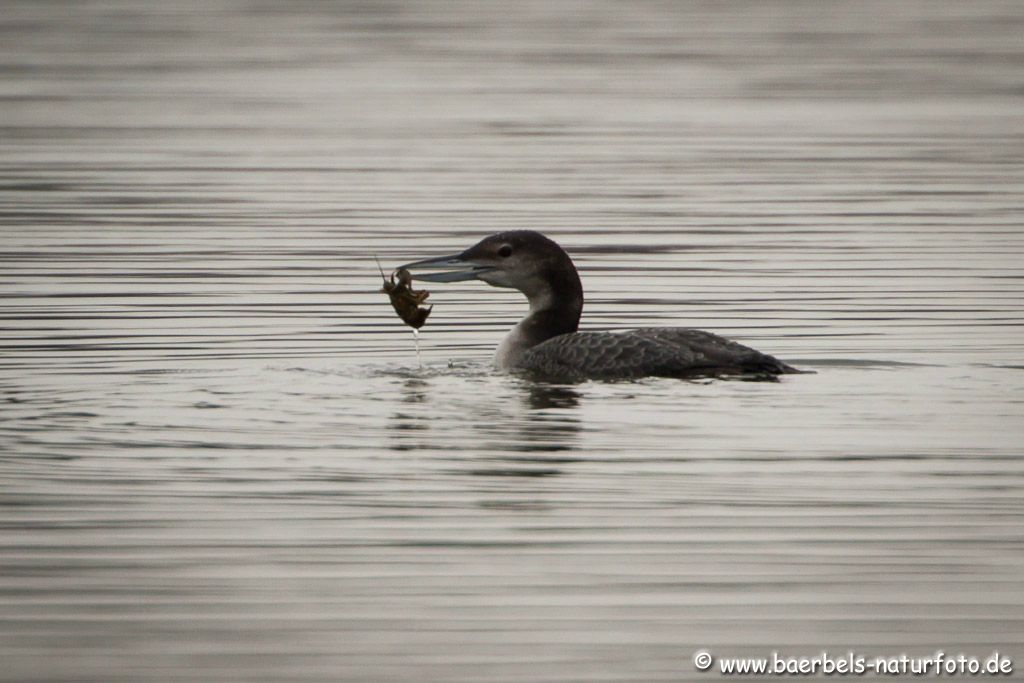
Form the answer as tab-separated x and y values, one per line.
546	344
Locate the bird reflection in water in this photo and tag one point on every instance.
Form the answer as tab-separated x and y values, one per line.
541	396
542	420
415	392
546	432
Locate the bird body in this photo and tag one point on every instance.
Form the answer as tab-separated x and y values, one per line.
546	344
648	352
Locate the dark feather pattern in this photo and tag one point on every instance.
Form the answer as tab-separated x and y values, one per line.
648	352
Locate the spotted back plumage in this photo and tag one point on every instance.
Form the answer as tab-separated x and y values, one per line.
648	352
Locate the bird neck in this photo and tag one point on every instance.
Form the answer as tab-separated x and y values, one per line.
556	304
555	309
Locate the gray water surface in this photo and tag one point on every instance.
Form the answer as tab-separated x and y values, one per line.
220	458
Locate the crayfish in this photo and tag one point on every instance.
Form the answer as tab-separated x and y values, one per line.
407	302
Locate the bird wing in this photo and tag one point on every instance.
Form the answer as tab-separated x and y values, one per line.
661	352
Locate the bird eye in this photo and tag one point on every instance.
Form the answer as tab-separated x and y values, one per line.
505	251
